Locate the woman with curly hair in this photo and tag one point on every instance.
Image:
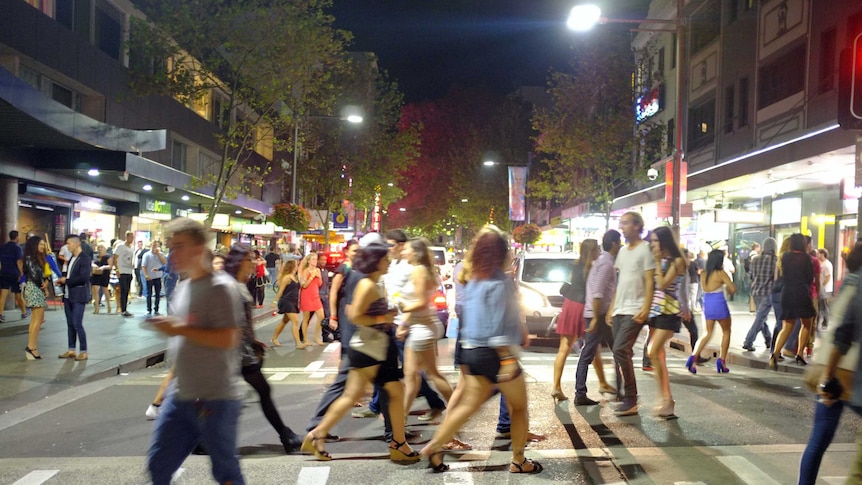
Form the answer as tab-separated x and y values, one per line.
490	342
34	292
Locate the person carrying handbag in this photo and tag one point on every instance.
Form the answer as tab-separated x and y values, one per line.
833	374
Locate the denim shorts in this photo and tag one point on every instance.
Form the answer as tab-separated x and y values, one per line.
481	361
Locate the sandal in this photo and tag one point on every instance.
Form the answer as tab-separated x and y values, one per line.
537	467
309	448
440	467
396	455
457	445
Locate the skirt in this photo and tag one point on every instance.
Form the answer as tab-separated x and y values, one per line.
34	297
715	306
571	320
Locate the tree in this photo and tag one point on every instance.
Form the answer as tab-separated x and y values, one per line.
586	138
254	66
527	234
356	163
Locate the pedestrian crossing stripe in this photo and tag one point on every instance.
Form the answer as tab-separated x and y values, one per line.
36	477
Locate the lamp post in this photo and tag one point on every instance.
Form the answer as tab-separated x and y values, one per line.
584	17
351	118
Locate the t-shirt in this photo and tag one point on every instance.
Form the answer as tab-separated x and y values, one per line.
212	301
344	323
139	257
395	279
271	258
10	254
153	265
631	263
826	274
124	255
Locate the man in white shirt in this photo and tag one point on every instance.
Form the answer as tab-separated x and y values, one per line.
629	311
123	262
825	287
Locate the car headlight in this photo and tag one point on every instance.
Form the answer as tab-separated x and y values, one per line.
531	299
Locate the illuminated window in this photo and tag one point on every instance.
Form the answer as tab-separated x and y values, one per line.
701	125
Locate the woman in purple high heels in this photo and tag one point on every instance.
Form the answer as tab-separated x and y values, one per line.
715	309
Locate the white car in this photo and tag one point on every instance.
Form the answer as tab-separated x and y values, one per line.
539	277
442	261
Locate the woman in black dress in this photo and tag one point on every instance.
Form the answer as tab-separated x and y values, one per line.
287	303
796	302
101	277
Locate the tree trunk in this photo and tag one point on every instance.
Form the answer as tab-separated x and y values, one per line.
326	230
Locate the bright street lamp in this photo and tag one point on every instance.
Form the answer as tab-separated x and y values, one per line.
489	163
353	119
584	17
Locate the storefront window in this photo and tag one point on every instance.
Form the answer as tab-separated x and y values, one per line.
99	226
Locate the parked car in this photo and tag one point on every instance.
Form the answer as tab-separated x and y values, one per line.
442	307
333	260
539	277
441	259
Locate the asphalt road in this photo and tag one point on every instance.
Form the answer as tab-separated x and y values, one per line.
746	427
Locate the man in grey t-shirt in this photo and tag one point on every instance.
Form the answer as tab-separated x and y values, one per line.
204	407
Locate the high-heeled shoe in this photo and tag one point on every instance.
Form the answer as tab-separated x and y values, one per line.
558	395
30	354
607	389
773	363
396	455
309	448
665	411
720	367
800	360
439	467
690	364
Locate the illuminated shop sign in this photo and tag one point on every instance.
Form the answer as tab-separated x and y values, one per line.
93	204
156	209
649	104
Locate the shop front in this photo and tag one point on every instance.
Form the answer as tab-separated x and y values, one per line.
148	225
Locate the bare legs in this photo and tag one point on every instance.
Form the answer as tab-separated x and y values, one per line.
566	344
19	300
415	361
306	320
293	318
804	333
96	300
36	317
786	330
160	394
656	351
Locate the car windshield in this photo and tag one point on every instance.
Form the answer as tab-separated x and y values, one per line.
439	256
547	271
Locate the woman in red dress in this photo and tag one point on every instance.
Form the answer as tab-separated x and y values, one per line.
309	297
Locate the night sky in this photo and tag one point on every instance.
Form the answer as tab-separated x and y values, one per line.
427	46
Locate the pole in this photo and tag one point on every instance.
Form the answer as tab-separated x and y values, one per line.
295	159
678	148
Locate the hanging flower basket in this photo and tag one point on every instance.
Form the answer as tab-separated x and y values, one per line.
292	217
527	234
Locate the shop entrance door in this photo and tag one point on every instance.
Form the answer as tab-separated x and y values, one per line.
744	240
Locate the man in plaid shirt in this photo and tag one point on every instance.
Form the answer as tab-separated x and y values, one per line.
762	275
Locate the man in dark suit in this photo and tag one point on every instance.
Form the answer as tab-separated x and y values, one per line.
77	294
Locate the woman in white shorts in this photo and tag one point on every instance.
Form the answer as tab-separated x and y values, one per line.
421	326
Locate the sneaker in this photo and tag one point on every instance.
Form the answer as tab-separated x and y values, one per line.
157	314
148	314
431	415
152	412
647	368
749	348
584	401
627	409
2	319
127	314
363	413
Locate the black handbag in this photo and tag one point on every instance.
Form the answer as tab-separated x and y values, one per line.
566	290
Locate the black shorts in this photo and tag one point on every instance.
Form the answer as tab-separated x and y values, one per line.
482	361
389	370
666	322
10	282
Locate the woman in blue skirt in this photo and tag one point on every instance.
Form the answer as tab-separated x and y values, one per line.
715	309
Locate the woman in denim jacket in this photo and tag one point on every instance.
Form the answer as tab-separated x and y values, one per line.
830	405
490	341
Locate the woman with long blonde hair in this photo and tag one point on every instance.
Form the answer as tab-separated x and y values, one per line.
310	303
287	302
571	324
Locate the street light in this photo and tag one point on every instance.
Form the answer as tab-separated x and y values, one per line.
584	17
350	118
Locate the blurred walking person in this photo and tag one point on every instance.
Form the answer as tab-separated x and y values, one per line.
205	403
11	269
715	283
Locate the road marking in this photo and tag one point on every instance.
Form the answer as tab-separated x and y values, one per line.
36	477
458	478
278	376
316	475
318	375
746	470
332	347
316	365
689	483
834	480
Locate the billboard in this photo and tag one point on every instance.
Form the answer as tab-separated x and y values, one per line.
517	193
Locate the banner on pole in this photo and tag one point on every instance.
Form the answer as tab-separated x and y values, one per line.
517	191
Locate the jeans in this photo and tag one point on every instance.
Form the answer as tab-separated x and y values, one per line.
324	298
823	310
271	273
170	284
182	424
125	287
154	286
75	324
604	336
504	422
253	375
826	420
333	392
626	333
763	304
142	283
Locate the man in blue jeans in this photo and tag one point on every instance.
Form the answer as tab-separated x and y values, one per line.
205	403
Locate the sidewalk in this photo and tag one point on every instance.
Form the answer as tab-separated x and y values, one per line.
115	345
741	321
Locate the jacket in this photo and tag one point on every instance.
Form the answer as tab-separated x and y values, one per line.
33	271
492	313
78	280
